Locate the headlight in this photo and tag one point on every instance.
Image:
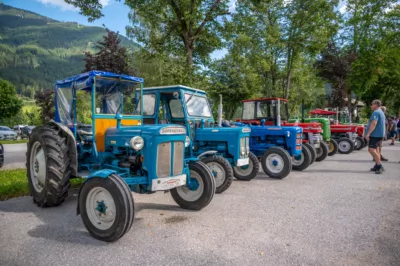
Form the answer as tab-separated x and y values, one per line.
137	143
187	141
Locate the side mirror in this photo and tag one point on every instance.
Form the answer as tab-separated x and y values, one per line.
175	94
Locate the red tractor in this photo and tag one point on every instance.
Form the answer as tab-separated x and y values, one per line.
311	131
344	132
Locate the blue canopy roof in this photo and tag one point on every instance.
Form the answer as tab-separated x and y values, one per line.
84	81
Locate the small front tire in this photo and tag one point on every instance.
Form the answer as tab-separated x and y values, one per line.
313	152
360	143
202	189
322	152
302	161
106	206
221	170
276	162
345	145
333	147
247	172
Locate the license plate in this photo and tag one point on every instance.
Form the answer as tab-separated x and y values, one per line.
167	183
241	162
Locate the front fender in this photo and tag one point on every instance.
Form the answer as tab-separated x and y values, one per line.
104	173
207	153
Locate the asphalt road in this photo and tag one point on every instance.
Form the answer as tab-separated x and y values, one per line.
14	156
336	212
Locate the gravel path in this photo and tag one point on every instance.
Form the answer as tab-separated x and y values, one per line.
336	212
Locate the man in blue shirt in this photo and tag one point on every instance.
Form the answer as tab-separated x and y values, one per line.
375	134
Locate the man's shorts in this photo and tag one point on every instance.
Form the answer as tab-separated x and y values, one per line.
374	142
393	133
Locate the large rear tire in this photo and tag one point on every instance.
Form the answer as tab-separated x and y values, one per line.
360	143
247	172
106	206
276	162
302	161
222	171
48	166
333	147
345	145
313	152
202	189
322	152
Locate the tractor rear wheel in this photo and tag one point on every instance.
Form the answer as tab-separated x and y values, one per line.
106	206
345	145
247	172
360	143
201	190
222	171
302	161
322	152
333	147
47	164
276	162
313	152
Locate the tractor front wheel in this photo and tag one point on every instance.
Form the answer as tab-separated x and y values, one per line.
333	147
312	150
47	164
276	162
106	206
345	145
221	170
322	152
360	143
247	172
199	193
302	161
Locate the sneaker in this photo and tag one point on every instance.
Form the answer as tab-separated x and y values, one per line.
379	170
374	168
391	144
383	159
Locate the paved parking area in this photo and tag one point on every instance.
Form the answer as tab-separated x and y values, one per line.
336	212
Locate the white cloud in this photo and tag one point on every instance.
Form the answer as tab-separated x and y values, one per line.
64	6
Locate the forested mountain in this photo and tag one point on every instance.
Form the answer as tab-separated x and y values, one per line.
36	50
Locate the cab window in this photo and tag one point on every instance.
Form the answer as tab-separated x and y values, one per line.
175	106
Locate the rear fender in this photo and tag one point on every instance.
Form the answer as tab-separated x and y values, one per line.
104	173
71	145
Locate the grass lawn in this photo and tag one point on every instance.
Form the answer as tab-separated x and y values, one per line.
13	141
14	183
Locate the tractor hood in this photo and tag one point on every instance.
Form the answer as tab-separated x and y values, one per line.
312	127
276	130
344	128
221	133
122	136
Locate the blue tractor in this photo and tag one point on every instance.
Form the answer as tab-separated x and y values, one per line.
218	147
279	147
116	154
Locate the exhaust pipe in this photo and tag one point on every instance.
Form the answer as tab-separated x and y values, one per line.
278	117
220	111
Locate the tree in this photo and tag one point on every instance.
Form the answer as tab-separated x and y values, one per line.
230	79
188	28
45	101
10	104
110	56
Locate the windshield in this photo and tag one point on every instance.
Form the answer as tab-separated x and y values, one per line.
5	129
266	109
149	104
197	106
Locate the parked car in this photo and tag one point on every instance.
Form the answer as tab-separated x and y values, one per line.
26	131
7	133
17	129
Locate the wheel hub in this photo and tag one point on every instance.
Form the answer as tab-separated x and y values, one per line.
101	208
37	167
275	163
218	173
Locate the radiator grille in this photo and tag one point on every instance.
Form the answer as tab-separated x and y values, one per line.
179	153
165	158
